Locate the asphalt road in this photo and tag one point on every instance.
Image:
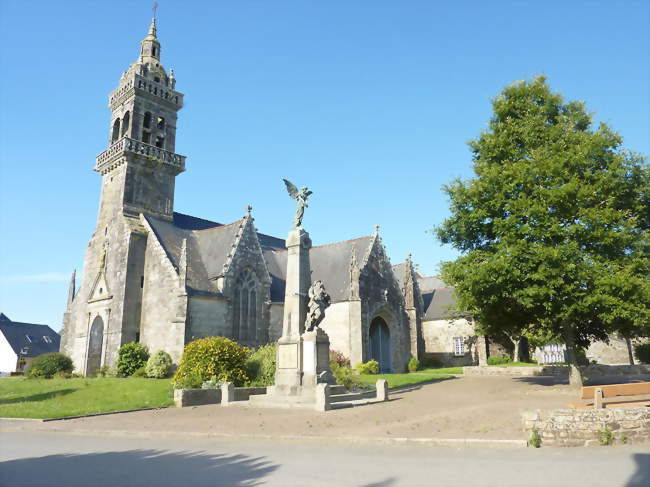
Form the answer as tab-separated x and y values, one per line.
55	459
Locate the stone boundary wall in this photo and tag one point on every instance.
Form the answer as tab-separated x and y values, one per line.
199	397
558	371
580	427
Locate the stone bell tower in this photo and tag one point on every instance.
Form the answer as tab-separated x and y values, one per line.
138	172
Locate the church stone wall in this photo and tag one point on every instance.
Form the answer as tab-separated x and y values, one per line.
276	314
160	329
337	326
439	341
208	317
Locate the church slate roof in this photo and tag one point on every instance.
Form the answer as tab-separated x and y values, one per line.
330	263
29	337
208	245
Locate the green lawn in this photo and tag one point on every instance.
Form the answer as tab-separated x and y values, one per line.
56	398
411	378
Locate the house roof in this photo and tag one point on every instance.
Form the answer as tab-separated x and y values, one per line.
28	337
329	263
440	303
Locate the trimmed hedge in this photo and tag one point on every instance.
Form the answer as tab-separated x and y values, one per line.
210	357
159	365
50	364
131	357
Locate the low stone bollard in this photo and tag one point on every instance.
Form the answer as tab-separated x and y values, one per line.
382	390
227	393
323	397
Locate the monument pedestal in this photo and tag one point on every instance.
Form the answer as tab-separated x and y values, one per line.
316	358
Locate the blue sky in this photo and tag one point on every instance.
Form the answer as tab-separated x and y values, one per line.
370	103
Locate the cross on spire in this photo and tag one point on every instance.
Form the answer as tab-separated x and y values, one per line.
154	8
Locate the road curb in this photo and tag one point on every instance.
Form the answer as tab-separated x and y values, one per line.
449	442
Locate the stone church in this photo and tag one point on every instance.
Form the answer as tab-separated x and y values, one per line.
164	278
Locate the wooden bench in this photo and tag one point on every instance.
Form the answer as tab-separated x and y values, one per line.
614	396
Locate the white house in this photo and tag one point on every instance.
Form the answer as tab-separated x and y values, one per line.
21	342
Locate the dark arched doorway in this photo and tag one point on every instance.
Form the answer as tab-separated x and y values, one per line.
380	344
94	360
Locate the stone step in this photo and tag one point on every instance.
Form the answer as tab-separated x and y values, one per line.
272	398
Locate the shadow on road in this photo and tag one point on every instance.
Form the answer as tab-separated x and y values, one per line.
641	477
136	468
382	483
38	397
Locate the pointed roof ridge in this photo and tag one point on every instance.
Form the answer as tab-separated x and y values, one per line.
4	317
226	225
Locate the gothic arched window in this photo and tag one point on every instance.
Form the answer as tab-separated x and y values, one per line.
245	308
126	120
146	123
116	130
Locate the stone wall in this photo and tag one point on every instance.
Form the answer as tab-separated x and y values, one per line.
208	317
337	326
198	397
580	427
439	341
162	326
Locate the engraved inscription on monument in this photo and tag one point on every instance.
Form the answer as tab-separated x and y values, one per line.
288	356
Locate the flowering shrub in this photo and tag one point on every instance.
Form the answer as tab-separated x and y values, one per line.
370	367
217	357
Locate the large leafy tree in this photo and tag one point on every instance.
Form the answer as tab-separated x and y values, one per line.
554	227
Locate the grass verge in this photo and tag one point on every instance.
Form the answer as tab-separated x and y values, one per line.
517	364
411	378
57	398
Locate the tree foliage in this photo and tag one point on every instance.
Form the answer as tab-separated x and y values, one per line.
553	228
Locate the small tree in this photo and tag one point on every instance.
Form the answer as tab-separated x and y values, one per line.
556	218
159	365
131	357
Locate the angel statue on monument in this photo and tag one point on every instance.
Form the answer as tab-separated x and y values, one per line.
301	201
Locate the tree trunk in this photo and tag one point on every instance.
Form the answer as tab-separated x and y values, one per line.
628	342
516	352
575	376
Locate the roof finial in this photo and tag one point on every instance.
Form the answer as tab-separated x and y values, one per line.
376	229
409	257
152	27
248	209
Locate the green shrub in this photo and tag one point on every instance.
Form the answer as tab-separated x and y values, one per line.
431	363
535	439
159	365
499	359
188	381
345	376
413	365
49	364
370	367
642	352
260	366
339	359
213	356
141	372
130	357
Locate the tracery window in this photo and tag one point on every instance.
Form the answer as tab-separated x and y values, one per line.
244	307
